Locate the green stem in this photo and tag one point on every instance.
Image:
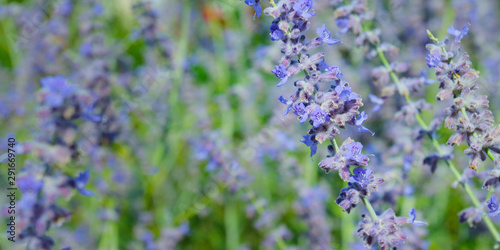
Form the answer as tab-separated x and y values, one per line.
231	224
369	207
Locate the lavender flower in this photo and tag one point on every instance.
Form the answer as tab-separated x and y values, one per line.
256	6
300	111
324	35
276	33
493	206
386	230
459	34
318	116
433	60
281	73
304	8
310	142
348	155
359	120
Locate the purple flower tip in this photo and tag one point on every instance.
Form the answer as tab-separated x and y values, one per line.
256	6
493	206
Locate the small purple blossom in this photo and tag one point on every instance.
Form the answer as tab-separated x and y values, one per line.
319	117
300	111
80	181
289	104
343	24
280	72
459	34
324	35
327	68
433	60
493	206
345	93
310	142
353	152
412	217
303	7
378	102
276	32
359	120
256	6
427	81
57	89
361	176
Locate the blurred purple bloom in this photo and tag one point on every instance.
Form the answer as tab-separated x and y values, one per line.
57	89
343	24
459	34
28	183
303	7
324	34
359	120
300	111
256	6
86	49
493	206
280	72
412	217
98	9
319	117
276	32
377	100
80	181
310	142
433	60
427	81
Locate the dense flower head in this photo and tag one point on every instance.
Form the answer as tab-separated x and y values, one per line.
385	230
55	90
468	115
349	154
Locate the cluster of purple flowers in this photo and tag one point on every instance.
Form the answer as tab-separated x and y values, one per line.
350	18
467	112
328	109
468	115
61	108
386	230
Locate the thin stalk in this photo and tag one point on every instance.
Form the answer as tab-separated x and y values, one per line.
231	225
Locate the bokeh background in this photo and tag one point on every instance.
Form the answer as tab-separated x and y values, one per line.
195	153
